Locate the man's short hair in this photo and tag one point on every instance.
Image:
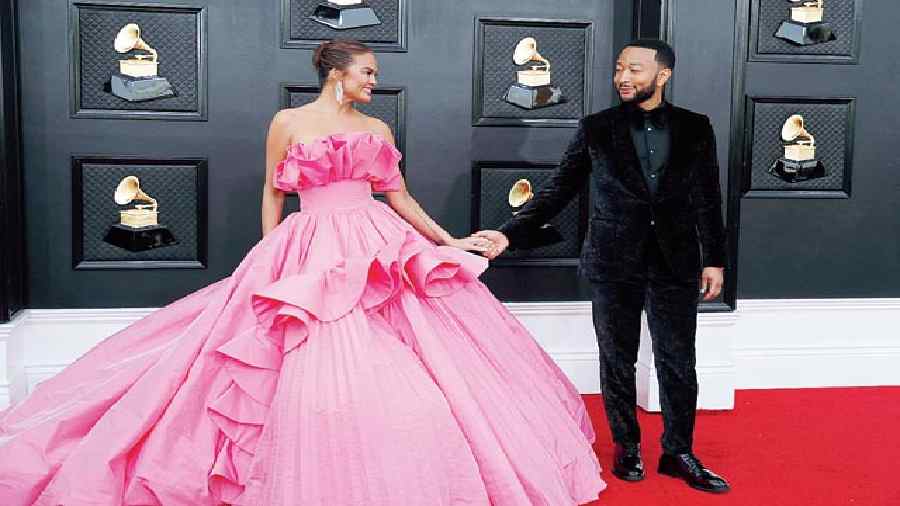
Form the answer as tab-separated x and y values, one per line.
665	56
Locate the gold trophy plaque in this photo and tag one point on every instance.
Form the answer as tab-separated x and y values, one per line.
137	79
809	12
807	25
533	88
799	161
345	14
138	228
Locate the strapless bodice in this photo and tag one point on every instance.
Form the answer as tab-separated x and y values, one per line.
356	156
336	196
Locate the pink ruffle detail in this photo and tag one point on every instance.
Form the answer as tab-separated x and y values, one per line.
240	411
288	310
337	157
297	302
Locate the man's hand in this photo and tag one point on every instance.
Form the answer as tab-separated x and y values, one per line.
711	280
499	241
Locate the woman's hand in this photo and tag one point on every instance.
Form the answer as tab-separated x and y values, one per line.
471	243
499	242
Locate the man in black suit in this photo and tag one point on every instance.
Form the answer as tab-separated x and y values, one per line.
656	241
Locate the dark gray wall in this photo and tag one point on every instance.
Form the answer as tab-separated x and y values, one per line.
12	250
826	248
788	247
799	248
702	82
246	65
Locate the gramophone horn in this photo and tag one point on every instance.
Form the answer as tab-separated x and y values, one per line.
127	190
525	51
130	189
793	128
129	37
520	193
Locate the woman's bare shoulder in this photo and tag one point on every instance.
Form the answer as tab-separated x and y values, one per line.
380	127
296	121
293	114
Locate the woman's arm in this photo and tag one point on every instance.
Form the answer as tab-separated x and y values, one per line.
272	198
410	210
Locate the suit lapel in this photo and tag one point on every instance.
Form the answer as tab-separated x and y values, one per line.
673	171
628	165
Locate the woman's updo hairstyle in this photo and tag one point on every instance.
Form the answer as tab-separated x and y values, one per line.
336	54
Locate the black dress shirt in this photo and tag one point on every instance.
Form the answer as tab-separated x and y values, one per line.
650	134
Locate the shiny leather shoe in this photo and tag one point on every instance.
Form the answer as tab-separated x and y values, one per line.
627	463
689	468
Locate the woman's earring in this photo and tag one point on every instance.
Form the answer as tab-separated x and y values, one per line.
339	92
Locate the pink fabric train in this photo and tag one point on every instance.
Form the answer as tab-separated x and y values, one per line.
346	361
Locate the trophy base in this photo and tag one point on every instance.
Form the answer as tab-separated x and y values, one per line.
344	17
140	89
140	239
805	34
792	171
533	97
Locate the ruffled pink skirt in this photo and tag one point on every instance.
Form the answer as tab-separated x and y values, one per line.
347	361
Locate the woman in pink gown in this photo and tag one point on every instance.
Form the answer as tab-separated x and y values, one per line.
348	360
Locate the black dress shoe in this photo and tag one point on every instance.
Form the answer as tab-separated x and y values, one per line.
689	468
627	463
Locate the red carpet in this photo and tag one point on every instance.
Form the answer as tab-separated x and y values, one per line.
815	447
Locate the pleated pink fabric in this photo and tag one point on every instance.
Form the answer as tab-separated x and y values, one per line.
346	361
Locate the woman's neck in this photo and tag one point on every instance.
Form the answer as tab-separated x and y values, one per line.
328	102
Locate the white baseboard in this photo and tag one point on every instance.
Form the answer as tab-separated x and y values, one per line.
41	342
565	331
6	358
764	344
817	343
715	366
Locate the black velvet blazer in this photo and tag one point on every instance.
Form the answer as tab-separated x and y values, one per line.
685	215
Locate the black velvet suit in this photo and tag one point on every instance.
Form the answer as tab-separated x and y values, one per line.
642	251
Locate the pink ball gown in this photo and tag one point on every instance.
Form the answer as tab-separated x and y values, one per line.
346	361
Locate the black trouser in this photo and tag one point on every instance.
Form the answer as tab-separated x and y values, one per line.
671	306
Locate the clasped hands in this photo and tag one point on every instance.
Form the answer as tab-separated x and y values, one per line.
490	243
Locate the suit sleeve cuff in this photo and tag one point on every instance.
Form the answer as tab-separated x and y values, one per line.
715	259
514	233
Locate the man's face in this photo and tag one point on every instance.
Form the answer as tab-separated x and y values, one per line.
636	74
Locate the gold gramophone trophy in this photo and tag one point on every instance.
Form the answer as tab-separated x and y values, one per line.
807	25
137	79
138	228
533	88
799	161
519	195
345	14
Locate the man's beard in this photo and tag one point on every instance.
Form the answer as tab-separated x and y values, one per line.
644	94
